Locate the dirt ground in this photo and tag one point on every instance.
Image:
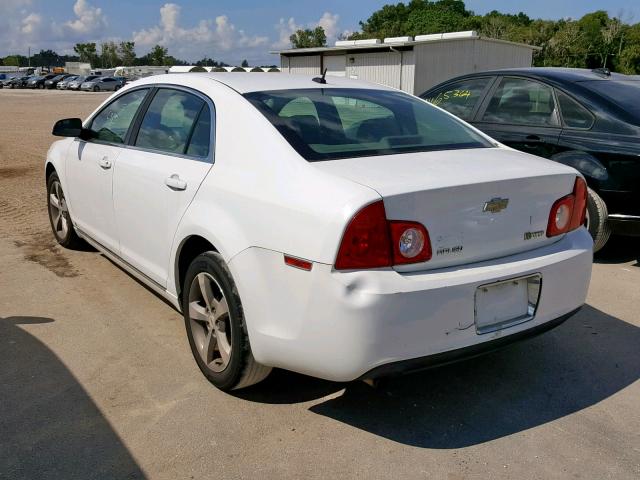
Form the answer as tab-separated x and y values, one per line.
97	380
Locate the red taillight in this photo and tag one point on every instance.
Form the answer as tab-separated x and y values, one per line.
411	242
569	212
371	241
580	207
365	243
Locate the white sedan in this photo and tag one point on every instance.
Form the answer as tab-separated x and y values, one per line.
342	230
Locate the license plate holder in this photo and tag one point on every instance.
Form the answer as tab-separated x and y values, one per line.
506	303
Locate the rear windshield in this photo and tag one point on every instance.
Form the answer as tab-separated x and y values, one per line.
334	123
624	93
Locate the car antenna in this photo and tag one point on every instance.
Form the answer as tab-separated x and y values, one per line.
321	79
602	71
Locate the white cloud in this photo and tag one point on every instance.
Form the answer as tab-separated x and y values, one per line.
89	20
31	24
207	37
21	27
285	30
328	21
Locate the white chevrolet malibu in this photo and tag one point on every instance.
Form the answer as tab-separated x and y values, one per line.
335	228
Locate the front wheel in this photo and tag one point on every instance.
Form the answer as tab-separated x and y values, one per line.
59	217
216	326
596	220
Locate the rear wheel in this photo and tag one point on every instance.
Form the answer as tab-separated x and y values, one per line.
596	220
216	326
96	88
59	217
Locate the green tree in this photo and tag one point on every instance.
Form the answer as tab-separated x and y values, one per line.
158	55
12	61
127	53
309	38
244	64
109	55
86	52
46	58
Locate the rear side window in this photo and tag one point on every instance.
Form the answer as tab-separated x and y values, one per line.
201	136
113	121
346	123
460	98
522	102
168	122
624	93
574	114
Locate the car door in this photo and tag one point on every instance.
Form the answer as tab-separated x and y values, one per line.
522	114
90	166
461	98
108	84
171	152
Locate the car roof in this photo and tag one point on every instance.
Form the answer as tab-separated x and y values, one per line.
560	74
256	81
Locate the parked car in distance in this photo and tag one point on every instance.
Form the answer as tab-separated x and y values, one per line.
38	81
53	82
62	84
357	232
102	84
588	119
75	84
6	81
21	82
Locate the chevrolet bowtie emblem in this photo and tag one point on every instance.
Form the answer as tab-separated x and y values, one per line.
495	205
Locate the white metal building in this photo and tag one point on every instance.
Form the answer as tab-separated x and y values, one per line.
410	64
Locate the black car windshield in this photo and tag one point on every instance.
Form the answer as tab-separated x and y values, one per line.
624	93
334	123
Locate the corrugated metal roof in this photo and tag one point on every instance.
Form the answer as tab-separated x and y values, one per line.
387	46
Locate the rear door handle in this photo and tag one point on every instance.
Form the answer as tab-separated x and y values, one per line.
104	163
533	138
174	182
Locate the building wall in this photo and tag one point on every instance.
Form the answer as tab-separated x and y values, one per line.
303	65
382	67
490	55
440	61
335	65
408	72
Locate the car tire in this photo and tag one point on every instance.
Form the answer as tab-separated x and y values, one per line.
59	217
96	88
117	87
216	327
596	221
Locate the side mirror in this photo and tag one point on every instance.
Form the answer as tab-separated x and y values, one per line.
69	127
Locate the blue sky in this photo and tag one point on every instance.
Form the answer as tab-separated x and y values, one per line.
223	29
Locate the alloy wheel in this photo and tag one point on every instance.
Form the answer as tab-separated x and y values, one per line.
210	321
58	210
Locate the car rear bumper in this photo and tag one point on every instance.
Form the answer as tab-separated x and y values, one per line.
465	353
345	325
625	224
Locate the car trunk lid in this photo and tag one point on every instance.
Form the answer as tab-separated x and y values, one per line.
477	204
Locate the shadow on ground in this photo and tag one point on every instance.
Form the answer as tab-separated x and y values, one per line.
620	249
49	427
584	361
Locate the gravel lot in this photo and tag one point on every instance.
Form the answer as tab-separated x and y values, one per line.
97	380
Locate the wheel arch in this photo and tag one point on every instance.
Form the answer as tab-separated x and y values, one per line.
188	249
48	170
584	162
